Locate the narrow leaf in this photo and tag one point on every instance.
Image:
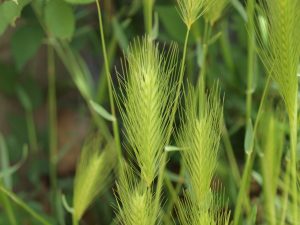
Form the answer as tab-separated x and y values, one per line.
102	111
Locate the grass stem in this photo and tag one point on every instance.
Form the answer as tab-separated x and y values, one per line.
109	85
251	57
24	206
31	130
148	17
249	161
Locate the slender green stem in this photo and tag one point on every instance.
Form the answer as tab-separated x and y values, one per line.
109	85
52	121
8	208
23	205
102	82
285	195
202	76
251	57
75	221
31	130
148	16
249	162
230	155
179	85
293	142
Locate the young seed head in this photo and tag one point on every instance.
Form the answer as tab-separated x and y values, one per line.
200	137
191	10
213	13
92	175
147	90
281	54
135	200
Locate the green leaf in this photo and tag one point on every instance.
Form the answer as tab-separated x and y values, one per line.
80	2
24	98
9	12
9	170
60	19
25	43
102	112
239	7
248	144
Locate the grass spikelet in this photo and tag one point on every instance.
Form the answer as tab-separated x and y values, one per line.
213	14
135	201
281	54
92	175
146	101
199	138
211	211
191	10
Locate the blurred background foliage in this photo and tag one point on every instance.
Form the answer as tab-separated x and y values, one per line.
71	29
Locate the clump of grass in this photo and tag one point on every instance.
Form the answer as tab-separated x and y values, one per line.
199	140
92	175
145	102
136	203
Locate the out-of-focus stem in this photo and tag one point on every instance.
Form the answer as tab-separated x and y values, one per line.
109	85
52	121
251	57
148	16
243	192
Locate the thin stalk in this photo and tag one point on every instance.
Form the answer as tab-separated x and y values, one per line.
249	162
180	83
24	206
285	197
251	57
293	143
230	155
109	85
102	82
31	130
148	17
52	116
203	71
173	112
52	121
8	209
75	221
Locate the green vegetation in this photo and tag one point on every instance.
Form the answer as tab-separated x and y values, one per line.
149	112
